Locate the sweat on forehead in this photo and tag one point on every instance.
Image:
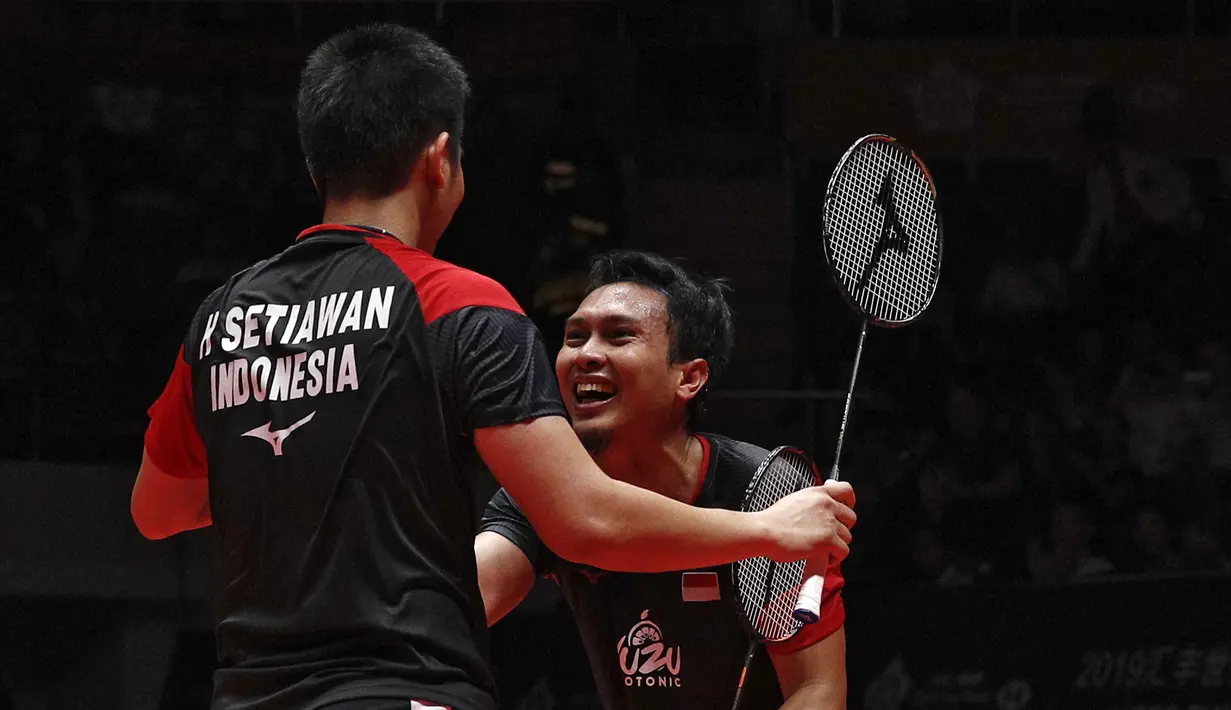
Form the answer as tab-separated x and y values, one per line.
623	300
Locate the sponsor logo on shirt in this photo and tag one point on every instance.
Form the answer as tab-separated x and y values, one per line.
645	658
275	439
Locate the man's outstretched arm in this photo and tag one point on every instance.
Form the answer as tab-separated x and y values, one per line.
585	516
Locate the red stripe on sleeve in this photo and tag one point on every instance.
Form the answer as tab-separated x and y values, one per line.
172	440
443	287
833	616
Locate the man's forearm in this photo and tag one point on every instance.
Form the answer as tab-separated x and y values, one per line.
640	531
585	516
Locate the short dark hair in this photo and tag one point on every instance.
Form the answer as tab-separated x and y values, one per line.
699	319
370	100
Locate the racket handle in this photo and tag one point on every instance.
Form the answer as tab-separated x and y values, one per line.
808	608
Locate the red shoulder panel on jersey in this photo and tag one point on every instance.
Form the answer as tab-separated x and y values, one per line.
444	287
833	616
172	440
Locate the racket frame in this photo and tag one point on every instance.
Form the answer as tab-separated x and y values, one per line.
830	196
755	638
753	483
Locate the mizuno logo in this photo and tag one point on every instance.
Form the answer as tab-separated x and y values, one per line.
892	235
276	438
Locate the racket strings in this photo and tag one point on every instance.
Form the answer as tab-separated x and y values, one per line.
897	284
901	283
768	590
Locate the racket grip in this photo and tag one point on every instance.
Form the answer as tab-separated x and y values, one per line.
808	608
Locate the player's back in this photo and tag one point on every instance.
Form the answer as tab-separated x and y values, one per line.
324	393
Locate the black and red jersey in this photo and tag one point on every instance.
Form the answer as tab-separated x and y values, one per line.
329	394
675	639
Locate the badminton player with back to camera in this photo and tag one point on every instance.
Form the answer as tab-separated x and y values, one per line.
638	356
324	399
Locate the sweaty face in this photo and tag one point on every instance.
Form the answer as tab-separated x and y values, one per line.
614	369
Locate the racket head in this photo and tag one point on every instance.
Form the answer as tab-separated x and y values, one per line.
883	233
767	591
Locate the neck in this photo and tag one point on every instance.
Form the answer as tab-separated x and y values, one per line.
396	214
668	466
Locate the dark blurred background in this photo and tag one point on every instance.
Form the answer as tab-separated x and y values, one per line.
1042	462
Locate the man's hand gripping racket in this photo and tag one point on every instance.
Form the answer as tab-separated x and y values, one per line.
816	517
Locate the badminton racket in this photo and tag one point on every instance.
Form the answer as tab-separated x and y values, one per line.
882	242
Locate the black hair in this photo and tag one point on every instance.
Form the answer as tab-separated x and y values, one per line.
699	319
370	100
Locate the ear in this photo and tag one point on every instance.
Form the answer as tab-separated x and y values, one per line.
694	375
438	162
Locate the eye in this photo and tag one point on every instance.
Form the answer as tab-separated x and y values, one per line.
620	334
574	338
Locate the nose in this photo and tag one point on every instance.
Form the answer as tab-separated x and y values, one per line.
590	356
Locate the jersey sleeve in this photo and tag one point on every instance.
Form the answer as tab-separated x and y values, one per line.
172	440
504	517
833	616
501	372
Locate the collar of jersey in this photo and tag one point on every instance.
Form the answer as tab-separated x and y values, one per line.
353	228
705	468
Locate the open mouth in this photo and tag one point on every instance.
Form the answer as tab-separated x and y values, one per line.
592	394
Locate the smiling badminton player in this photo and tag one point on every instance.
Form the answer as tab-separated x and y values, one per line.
638	357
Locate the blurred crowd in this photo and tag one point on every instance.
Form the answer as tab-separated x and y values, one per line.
126	206
1063	412
129	204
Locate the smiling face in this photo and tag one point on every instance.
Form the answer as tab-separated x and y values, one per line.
615	368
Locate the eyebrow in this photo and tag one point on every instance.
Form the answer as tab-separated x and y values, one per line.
610	319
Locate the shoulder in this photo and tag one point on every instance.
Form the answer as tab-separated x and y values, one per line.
732	466
442	287
734	457
210	311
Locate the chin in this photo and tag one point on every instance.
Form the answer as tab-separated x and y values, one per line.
594	438
595	441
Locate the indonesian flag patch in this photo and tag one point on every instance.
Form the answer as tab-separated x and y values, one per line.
700	587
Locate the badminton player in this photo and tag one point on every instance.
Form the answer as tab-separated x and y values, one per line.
638	357
324	399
